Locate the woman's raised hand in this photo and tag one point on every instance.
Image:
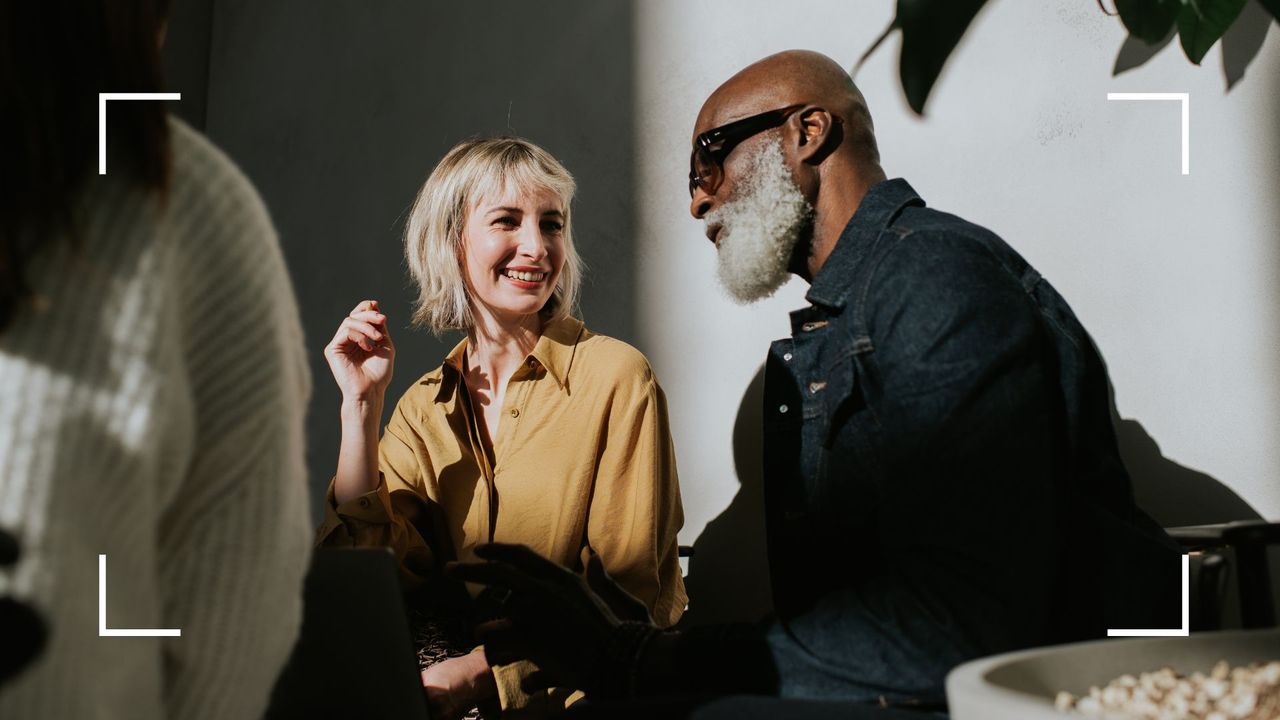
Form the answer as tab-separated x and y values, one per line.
361	355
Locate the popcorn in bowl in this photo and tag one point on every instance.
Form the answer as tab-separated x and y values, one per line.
1243	693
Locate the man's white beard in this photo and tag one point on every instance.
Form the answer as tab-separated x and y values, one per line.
760	227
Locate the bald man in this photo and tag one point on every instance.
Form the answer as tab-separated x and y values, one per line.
942	476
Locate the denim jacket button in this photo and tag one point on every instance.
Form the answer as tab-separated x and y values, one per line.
786	357
782	408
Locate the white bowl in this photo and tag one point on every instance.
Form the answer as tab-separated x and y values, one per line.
1022	685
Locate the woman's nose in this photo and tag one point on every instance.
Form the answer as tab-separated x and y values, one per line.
532	242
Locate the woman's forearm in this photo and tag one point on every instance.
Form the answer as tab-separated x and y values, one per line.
358	454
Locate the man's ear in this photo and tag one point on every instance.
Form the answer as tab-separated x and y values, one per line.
819	134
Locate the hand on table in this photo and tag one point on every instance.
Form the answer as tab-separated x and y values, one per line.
456	685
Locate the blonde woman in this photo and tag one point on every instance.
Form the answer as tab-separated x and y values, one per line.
533	430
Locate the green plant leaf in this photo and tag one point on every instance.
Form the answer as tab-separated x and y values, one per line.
1149	20
1273	7
1202	22
930	31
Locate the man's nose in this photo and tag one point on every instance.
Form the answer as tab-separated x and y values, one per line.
700	205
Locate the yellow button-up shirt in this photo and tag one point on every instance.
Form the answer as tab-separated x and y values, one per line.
582	458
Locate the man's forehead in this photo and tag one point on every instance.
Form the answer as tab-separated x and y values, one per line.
734	101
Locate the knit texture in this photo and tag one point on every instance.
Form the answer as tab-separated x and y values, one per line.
151	409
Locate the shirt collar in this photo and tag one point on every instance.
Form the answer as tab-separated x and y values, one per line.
556	347
878	209
554	351
446	376
456	357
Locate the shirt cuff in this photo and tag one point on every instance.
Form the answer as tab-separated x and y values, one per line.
518	704
514	700
371	508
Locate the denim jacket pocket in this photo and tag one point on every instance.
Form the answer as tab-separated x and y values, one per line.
843	399
846	454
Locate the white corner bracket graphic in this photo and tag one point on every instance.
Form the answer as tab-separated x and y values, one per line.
103	630
1185	99
102	118
1185	630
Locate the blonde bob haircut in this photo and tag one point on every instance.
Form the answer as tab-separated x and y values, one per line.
473	170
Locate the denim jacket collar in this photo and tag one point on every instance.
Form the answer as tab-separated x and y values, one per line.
879	207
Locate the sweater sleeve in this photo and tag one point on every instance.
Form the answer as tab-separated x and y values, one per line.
233	541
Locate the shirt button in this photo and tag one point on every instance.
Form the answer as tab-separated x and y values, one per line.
532	362
782	408
515	412
787	357
364	502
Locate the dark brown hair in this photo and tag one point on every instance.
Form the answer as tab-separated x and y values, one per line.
55	57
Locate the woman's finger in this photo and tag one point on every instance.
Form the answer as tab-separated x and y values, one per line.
370	316
343	334
364	328
360	339
364	305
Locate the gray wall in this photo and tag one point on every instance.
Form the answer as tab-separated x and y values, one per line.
338	110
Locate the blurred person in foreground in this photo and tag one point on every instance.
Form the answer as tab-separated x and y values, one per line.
942	476
153	382
533	430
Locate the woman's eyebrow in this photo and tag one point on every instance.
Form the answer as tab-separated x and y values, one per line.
506	210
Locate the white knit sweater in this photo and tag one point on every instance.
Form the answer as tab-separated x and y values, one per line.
151	409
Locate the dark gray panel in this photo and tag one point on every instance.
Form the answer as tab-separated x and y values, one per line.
186	58
337	111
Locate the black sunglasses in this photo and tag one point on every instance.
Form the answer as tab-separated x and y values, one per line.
706	164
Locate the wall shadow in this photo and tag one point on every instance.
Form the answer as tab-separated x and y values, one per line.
1173	494
729	572
1243	40
1135	53
1240	44
728	576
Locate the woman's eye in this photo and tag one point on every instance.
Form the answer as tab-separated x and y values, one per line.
552	226
507	221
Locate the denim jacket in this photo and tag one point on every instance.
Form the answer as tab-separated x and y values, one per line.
942	475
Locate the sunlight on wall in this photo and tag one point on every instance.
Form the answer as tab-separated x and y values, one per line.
1175	276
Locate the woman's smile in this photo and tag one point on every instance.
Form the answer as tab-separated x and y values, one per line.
524	277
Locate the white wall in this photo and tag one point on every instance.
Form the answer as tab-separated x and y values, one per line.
1175	276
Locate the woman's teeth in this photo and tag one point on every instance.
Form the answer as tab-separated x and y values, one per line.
525	276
